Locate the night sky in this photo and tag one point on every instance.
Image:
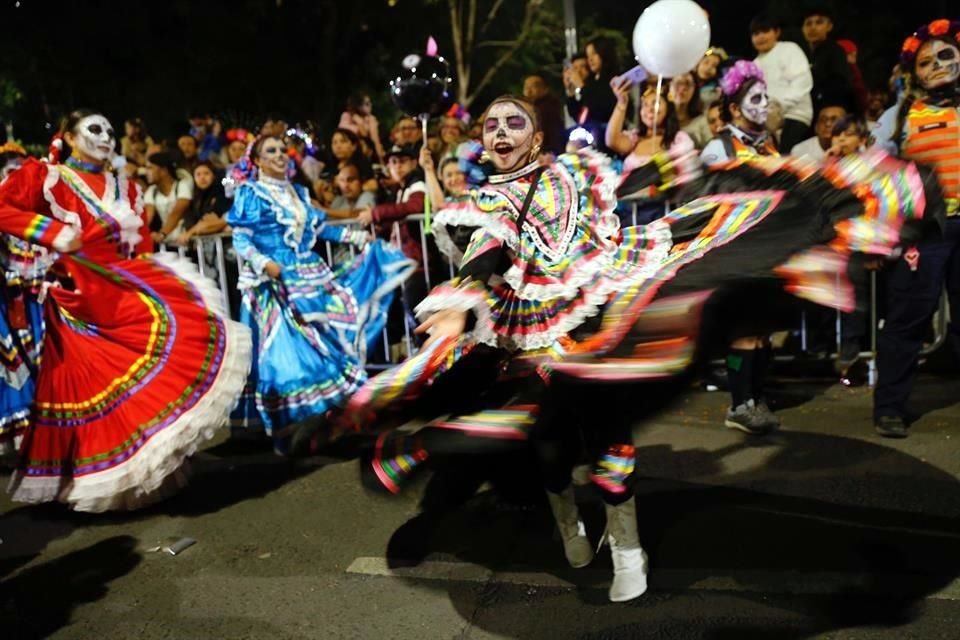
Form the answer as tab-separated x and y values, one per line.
243	58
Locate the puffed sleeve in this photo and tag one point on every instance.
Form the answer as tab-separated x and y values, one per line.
25	214
243	218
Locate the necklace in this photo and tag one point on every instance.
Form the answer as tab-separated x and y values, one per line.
86	167
500	178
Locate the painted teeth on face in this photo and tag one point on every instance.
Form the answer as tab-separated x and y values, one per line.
507	136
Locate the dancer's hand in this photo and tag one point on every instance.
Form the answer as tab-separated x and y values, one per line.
443	324
273	270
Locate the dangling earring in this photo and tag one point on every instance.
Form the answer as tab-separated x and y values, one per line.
484	157
534	152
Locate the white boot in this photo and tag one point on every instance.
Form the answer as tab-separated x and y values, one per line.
629	560
576	546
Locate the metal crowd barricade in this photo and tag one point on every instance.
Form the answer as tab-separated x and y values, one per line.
213	246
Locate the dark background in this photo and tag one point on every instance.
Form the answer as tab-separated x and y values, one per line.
240	59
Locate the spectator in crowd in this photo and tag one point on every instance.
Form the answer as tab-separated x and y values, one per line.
877	102
579	70
706	72
358	117
638	146
789	81
685	97
274	125
816	147
345	147
549	112
189	152
406	132
402	164
849	135
167	198
206	131
590	102
858	86
453	132
352	198
447	183
236	148
714	119
204	216
832	80
135	134
325	192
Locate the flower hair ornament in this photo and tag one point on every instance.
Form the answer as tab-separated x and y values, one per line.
246	169
13	147
942	28
239	134
737	74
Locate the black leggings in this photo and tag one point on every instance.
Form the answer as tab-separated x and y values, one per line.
578	417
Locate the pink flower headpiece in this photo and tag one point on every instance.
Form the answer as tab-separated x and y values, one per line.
737	74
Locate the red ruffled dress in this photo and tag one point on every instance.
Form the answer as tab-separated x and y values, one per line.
140	362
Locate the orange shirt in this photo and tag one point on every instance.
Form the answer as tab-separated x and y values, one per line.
932	137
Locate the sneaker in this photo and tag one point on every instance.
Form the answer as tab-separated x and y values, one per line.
745	418
891	427
768	417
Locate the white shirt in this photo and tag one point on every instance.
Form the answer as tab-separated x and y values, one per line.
789	81
163	203
810	148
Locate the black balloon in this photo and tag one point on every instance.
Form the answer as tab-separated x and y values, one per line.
423	86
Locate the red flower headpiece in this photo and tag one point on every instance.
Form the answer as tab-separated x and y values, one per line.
941	28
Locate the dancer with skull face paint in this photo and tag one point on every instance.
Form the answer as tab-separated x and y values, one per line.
539	266
550	327
139	363
311	325
744	107
927	130
21	321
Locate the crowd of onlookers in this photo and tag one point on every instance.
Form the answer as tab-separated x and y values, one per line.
360	170
819	105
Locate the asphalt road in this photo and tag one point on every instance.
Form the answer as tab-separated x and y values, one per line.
822	530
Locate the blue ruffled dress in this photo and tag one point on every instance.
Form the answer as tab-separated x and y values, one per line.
311	327
21	333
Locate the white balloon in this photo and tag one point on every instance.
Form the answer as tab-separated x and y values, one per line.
671	36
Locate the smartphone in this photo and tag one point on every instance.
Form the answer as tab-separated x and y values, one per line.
567	64
634	76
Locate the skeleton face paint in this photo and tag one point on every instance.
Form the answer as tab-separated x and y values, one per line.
507	136
273	158
755	105
95	137
938	64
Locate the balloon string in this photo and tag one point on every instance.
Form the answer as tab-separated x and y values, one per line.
656	104
426	193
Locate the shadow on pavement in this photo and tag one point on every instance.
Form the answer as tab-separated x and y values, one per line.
849	510
41	599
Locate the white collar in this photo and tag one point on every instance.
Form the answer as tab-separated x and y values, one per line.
500	178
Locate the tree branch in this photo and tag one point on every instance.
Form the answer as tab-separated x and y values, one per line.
491	16
526	28
471	24
463	71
